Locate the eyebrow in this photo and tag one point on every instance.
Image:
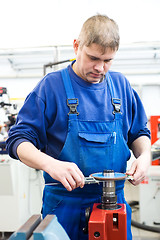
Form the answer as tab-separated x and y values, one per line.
96	58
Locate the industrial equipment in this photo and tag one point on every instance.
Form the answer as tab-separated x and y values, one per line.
108	219
38	229
149	189
20	188
155	128
8	112
149	198
20	193
155	139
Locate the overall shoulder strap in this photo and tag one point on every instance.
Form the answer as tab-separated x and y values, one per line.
72	102
116	102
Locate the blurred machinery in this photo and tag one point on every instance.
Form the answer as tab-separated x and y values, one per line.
150	187
20	193
8	113
155	139
20	186
149	198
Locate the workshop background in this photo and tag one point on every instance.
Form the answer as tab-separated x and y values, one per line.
36	37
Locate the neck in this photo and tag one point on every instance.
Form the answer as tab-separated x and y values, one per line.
74	67
75	70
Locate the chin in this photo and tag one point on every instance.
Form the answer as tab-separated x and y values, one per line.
93	81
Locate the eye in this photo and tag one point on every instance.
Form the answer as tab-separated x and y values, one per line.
93	58
108	60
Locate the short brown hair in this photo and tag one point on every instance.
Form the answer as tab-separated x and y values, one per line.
101	30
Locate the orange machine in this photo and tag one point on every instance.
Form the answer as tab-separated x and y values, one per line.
108	219
108	224
155	133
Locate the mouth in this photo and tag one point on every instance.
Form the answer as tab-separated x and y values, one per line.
96	75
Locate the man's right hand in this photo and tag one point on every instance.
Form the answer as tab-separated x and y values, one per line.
67	173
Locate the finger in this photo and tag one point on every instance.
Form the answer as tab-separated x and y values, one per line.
132	170
78	170
78	176
78	179
81	179
71	177
72	182
138	177
136	182
66	184
139	174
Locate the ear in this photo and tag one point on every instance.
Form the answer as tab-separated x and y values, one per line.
75	45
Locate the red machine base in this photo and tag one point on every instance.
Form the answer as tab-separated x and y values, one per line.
108	224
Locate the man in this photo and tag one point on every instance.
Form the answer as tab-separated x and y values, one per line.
84	119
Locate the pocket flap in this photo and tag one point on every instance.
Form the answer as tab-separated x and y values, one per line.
94	137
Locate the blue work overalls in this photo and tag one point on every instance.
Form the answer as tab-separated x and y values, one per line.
93	146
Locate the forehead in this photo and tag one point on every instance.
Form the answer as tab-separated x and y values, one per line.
98	51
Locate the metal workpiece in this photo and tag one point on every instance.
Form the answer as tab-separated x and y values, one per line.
109	198
110	175
108	188
108	219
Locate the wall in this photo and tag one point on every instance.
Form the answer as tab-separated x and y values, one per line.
21	70
26	23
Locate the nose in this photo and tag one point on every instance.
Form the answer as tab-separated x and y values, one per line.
99	66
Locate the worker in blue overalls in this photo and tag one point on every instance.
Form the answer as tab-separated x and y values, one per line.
83	119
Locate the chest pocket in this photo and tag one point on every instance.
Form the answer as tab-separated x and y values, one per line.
96	151
97	139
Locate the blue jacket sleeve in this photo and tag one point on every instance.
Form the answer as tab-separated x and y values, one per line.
30	125
139	120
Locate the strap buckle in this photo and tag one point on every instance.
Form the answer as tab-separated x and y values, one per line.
72	103
116	102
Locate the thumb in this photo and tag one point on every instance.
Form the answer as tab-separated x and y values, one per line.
132	170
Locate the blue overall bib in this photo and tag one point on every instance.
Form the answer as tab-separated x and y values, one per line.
93	146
